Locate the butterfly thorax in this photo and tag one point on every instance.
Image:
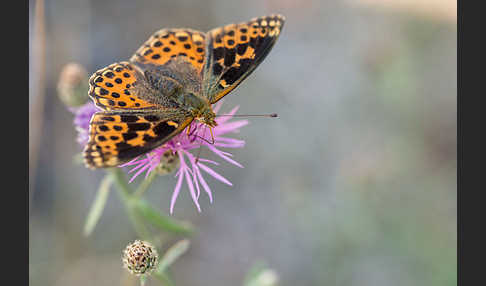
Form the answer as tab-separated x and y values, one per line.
180	87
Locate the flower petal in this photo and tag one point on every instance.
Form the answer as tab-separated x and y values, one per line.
204	184
228	116
214	174
228	145
140	163
191	188
224	156
230	127
139	172
209	161
231	140
176	191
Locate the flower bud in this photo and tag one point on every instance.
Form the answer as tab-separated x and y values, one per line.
169	162
140	257
72	87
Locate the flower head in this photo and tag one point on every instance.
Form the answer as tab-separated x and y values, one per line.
140	257
82	117
175	155
191	167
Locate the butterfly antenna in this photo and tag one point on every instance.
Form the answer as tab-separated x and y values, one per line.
271	115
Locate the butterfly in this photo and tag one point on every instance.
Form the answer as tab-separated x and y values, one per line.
171	80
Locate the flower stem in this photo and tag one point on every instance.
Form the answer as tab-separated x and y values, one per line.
127	198
145	185
164	278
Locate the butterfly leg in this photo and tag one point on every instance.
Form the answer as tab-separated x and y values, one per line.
189	130
212	136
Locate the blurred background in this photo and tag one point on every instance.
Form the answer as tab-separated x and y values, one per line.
353	184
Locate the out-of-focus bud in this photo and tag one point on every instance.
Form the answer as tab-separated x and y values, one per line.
73	85
140	257
262	277
169	162
268	277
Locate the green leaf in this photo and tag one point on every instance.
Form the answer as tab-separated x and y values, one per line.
98	205
172	254
161	221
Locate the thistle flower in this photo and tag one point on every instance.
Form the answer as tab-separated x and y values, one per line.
140	257
190	167
175	153
82	117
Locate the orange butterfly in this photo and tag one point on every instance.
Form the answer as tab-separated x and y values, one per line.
172	79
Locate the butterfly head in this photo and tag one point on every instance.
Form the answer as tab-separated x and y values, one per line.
206	115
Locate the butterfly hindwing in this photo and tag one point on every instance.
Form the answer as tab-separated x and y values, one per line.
114	87
115	138
167	44
235	50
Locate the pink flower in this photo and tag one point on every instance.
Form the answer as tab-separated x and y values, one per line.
191	168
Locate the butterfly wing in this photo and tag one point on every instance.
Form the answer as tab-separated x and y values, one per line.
235	50
171	44
118	87
118	137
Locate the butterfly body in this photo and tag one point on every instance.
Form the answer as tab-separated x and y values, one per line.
178	86
171	80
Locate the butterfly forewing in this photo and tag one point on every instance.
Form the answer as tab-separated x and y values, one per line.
168	44
235	50
116	137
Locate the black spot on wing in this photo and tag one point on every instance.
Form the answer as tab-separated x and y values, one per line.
151	118
149	139
217	69
138	126
241	49
163	129
218	53
107	118
234	73
128	152
129	136
128	118
103	91
229	57
109	74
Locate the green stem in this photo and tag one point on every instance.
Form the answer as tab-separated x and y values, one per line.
164	278
145	185
127	198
